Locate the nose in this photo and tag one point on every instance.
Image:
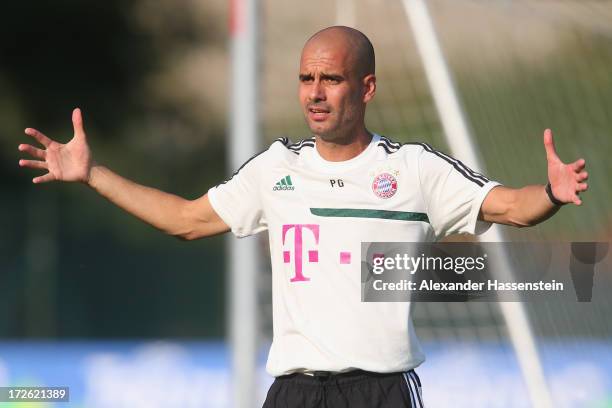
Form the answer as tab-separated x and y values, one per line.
317	92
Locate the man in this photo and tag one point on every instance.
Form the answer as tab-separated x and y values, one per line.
320	199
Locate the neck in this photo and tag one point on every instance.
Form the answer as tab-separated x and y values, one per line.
343	149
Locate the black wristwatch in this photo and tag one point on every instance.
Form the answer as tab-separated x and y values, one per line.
551	197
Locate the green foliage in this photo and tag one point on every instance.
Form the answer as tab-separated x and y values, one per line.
99	272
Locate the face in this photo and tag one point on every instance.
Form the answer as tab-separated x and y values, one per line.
331	93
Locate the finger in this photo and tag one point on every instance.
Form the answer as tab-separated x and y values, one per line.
77	123
577	200
41	138
549	146
31	150
578	165
33	164
582	187
43	179
582	176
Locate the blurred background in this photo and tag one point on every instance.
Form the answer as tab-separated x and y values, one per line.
94	299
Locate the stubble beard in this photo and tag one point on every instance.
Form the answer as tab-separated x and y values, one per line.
336	132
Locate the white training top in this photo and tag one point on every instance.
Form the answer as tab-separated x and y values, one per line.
317	213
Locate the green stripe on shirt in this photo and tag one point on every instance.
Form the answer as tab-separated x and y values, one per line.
368	213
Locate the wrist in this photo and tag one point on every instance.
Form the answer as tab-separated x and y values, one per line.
552	197
91	174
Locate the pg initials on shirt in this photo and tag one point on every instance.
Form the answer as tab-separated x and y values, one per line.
313	254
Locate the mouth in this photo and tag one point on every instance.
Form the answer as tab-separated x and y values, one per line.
317	114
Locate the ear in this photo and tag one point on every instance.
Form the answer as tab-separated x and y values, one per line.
369	87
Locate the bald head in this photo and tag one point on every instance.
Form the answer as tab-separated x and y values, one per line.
336	82
356	46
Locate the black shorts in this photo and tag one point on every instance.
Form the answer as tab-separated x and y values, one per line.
355	389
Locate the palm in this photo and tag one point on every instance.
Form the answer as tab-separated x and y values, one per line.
64	162
68	162
567	180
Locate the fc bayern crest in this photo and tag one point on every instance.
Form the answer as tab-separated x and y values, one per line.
384	185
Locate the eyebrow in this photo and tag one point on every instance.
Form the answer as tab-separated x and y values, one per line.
304	77
333	77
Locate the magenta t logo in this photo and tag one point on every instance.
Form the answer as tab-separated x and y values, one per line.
313	255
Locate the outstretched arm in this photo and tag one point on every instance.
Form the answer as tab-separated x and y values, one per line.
187	219
531	205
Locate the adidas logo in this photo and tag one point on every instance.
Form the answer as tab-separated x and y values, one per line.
284	184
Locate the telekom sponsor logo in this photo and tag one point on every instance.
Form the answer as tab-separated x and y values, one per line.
313	254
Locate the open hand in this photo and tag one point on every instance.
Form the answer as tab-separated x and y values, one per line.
567	181
64	162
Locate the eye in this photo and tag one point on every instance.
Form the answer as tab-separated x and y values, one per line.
331	79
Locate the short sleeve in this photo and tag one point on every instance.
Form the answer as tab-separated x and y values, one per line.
238	200
453	194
